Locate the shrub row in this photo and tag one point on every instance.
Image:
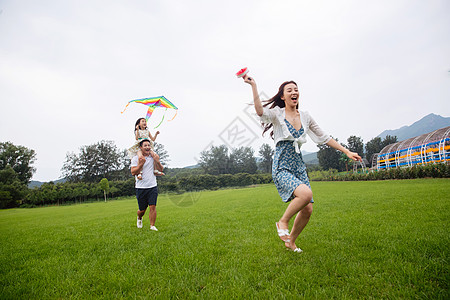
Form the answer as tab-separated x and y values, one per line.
62	193
68	193
210	182
440	170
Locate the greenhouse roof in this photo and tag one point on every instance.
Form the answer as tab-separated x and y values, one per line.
419	141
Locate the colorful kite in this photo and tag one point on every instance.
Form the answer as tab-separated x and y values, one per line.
153	103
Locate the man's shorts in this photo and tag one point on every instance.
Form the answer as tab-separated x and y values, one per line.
146	197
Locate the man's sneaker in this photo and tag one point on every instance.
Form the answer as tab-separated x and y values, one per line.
139	223
153	228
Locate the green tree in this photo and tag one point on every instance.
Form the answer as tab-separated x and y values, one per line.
49	193
64	192
104	185
113	191
242	160
215	160
376	144
19	158
266	154
12	190
389	139
373	146
100	160
344	160
123	170
163	154
329	157
355	144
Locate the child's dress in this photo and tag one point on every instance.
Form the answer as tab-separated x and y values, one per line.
143	134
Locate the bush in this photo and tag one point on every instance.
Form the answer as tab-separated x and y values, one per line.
440	170
320	175
49	193
6	200
62	193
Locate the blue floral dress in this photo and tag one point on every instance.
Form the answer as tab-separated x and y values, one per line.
288	168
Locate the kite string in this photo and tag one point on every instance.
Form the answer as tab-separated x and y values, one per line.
161	119
160	122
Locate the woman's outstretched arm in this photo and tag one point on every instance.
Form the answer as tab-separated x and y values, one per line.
352	155
258	105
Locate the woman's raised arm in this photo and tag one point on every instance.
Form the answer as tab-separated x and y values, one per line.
258	105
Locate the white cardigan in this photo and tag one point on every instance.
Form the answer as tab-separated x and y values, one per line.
281	132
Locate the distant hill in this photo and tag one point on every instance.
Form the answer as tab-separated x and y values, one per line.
310	158
192	167
35	183
427	124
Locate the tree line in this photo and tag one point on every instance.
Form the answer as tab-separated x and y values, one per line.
330	158
16	171
102	169
50	193
218	166
218	160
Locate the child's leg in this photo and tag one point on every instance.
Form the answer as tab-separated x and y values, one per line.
156	171
139	154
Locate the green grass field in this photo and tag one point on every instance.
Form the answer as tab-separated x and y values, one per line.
383	239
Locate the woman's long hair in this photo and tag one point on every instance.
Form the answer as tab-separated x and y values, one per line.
276	101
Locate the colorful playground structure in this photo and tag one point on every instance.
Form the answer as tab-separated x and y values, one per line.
433	147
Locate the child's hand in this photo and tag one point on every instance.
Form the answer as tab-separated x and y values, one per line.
141	161
154	155
157	133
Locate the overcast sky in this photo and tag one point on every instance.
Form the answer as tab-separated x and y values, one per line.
68	68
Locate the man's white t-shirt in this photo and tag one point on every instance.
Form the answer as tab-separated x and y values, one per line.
148	177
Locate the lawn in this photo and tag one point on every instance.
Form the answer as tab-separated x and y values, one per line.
381	239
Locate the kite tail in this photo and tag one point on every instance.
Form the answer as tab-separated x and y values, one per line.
125	108
176	111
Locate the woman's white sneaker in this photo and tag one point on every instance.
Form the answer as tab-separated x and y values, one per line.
139	223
